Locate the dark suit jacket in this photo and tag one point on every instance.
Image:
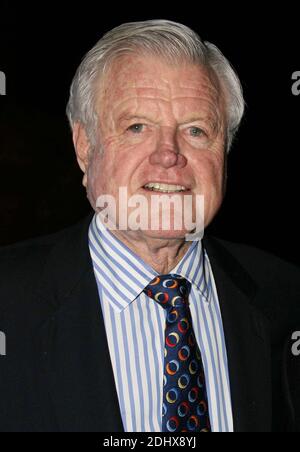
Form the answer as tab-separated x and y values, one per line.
57	374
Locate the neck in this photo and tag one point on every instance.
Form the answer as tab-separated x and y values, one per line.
162	255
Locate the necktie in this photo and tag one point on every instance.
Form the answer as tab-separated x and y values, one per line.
185	407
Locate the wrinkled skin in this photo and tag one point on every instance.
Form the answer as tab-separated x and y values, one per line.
163	123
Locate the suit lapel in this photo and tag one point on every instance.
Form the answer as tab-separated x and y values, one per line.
247	342
76	355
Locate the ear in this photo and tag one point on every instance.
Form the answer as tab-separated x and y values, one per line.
82	149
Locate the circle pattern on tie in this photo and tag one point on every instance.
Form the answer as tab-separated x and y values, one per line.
185	406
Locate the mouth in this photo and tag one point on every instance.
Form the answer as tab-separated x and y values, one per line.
165	188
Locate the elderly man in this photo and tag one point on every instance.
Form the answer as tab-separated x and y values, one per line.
117	325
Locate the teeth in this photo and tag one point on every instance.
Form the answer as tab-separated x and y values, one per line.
165	188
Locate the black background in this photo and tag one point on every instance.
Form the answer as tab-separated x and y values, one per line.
40	48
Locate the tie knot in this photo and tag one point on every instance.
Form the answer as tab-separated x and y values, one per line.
169	291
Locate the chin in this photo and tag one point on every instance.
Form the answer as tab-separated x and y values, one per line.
166	235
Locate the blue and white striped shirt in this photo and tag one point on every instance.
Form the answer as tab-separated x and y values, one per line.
135	327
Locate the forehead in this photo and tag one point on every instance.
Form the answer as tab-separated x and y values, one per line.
150	77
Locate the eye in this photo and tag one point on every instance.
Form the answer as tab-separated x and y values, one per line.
196	132
136	128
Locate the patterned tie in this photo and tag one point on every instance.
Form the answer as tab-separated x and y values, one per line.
185	407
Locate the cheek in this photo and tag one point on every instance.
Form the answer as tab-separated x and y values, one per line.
125	158
116	168
210	185
210	175
97	177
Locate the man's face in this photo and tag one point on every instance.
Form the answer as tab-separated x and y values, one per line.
159	123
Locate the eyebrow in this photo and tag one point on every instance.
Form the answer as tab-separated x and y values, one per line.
195	119
211	120
128	117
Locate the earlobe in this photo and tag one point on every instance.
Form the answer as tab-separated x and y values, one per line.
82	148
84	180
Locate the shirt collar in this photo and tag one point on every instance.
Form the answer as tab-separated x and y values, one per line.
123	275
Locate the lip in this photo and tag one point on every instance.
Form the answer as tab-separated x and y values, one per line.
172	193
181	184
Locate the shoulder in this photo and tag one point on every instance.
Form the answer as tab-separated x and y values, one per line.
24	264
26	259
264	267
27	251
260	263
276	282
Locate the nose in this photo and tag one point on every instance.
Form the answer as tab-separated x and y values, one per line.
167	153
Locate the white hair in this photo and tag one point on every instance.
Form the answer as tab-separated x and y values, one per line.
170	40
